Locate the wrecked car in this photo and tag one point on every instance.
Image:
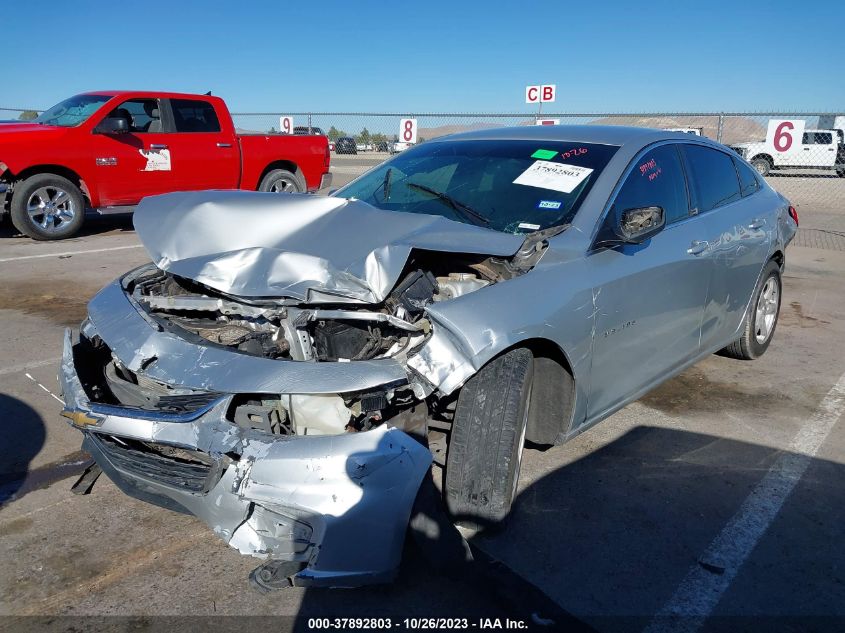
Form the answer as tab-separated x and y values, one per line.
288	368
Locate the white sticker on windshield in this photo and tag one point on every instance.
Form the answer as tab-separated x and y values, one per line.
555	176
530	227
157	159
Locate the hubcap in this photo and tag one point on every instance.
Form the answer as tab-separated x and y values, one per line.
51	208
767	311
282	185
761	168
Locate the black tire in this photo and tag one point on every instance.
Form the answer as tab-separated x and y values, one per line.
282	181
53	223
840	173
762	165
748	347
487	438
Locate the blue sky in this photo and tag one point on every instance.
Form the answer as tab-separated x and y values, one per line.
432	56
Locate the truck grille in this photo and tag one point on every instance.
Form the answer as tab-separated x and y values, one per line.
179	468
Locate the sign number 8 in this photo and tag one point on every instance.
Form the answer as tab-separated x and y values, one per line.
408	130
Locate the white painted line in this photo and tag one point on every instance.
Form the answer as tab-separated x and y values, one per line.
45	388
351	170
69	253
700	591
14	369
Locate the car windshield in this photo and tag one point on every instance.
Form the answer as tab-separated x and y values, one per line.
72	112
513	186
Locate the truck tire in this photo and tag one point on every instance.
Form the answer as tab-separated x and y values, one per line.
762	317
487	438
47	207
282	181
762	165
840	173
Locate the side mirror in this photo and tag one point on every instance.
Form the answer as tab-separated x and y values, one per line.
112	125
637	225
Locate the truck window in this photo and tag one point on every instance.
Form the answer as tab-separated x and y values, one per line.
194	115
143	115
817	138
712	177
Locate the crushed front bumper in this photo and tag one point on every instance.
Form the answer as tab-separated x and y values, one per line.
338	505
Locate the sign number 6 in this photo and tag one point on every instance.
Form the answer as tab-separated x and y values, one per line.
783	139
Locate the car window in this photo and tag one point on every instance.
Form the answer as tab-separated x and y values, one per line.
194	115
657	180
817	138
712	177
748	182
518	186
143	115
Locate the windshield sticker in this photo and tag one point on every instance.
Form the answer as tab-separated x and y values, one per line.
578	151
549	204
651	169
554	176
157	159
530	227
545	154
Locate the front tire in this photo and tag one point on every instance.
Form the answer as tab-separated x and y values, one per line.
762	317
47	207
282	181
487	439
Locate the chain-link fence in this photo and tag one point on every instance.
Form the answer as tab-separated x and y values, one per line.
802	154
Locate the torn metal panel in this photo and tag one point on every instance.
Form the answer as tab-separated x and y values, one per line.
304	247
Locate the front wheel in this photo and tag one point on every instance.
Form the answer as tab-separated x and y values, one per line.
762	165
487	438
281	181
762	317
47	207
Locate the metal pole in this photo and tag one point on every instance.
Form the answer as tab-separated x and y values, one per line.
721	127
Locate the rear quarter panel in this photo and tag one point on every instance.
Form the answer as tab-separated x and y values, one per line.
259	151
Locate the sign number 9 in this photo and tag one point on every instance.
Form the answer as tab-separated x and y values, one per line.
286	124
783	139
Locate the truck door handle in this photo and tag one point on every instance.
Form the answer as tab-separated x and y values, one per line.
806	149
157	146
756	223
698	247
224	145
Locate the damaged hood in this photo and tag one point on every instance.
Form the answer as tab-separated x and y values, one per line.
299	246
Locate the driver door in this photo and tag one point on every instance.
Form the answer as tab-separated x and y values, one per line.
649	298
134	164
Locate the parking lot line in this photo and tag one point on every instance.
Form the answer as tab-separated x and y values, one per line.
706	582
69	253
54	396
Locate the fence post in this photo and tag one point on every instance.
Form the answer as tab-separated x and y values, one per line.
309	123
721	127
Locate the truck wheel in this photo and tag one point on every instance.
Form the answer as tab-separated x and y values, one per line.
282	181
47	207
762	317
487	438
840	173
762	165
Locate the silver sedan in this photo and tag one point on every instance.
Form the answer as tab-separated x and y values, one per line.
288	367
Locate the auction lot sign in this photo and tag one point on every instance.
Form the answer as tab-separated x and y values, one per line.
784	134
540	94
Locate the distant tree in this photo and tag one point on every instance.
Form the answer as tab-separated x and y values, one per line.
378	137
272	130
28	115
365	136
334	134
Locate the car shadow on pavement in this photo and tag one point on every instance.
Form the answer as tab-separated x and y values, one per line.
22	435
94	225
610	536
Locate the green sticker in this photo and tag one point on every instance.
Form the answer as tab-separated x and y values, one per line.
544	154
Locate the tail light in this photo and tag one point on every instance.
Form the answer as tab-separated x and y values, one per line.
793	214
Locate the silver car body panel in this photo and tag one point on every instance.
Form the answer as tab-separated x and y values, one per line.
623	319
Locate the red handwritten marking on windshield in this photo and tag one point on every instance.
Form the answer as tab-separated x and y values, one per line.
655	174
574	152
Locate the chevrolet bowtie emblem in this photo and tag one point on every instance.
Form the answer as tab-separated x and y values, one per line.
80	418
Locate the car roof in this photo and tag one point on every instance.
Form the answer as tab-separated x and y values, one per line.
602	134
149	93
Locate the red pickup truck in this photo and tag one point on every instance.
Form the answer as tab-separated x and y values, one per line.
104	151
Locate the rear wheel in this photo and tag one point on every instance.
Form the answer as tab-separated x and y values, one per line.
282	181
840	173
47	207
487	439
762	165
762	317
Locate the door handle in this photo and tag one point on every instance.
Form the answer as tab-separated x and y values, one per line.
756	223
698	247
806	149
224	145
157	146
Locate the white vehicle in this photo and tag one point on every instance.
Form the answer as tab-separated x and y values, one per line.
696	131
400	146
817	149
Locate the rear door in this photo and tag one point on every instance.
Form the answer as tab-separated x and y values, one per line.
203	149
649	298
130	166
819	149
738	224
